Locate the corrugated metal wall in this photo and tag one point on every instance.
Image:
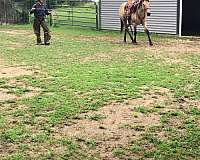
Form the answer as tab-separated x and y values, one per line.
162	20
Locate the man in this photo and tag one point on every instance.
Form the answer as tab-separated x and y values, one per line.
129	5
40	11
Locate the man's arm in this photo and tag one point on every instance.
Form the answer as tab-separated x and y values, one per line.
47	11
32	9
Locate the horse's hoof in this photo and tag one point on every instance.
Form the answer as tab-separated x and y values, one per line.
151	44
135	43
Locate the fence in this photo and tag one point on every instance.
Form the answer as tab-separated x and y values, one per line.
76	13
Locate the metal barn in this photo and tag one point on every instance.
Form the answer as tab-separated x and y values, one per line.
181	17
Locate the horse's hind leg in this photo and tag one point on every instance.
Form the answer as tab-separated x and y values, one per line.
130	36
127	31
122	25
125	35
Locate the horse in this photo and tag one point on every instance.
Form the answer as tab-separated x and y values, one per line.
136	15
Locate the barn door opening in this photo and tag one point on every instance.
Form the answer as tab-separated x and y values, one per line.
191	17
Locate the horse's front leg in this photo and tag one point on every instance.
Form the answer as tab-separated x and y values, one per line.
148	34
131	29
135	35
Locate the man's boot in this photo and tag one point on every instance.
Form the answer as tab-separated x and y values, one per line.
47	37
39	41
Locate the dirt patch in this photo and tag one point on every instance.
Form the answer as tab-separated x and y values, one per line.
7	149
9	90
175	122
97	38
11	72
108	132
30	94
32	91
152	119
16	32
198	123
2	61
185	103
5	96
14	82
197	104
148	100
151	97
14	45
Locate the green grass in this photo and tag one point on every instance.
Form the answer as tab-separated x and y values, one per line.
83	70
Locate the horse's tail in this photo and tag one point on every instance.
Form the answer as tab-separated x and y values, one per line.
122	25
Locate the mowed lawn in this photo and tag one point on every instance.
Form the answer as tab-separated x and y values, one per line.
89	96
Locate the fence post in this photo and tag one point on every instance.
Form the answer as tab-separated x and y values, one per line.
72	16
97	19
99	14
51	20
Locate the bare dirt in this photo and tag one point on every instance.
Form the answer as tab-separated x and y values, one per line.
12	73
2	61
5	96
16	71
15	32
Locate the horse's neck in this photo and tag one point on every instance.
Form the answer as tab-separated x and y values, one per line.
140	13
138	17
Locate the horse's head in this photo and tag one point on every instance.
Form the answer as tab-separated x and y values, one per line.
145	5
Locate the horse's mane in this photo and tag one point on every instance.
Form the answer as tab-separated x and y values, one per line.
134	7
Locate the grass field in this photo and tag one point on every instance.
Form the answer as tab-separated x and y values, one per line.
89	96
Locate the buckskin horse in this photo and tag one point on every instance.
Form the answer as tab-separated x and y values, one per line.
134	15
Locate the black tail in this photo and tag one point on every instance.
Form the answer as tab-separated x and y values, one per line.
122	25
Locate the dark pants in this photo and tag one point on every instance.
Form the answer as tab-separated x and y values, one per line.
36	26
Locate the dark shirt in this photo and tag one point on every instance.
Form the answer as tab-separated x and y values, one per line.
39	10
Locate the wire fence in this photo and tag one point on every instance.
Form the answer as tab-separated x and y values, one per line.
83	14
